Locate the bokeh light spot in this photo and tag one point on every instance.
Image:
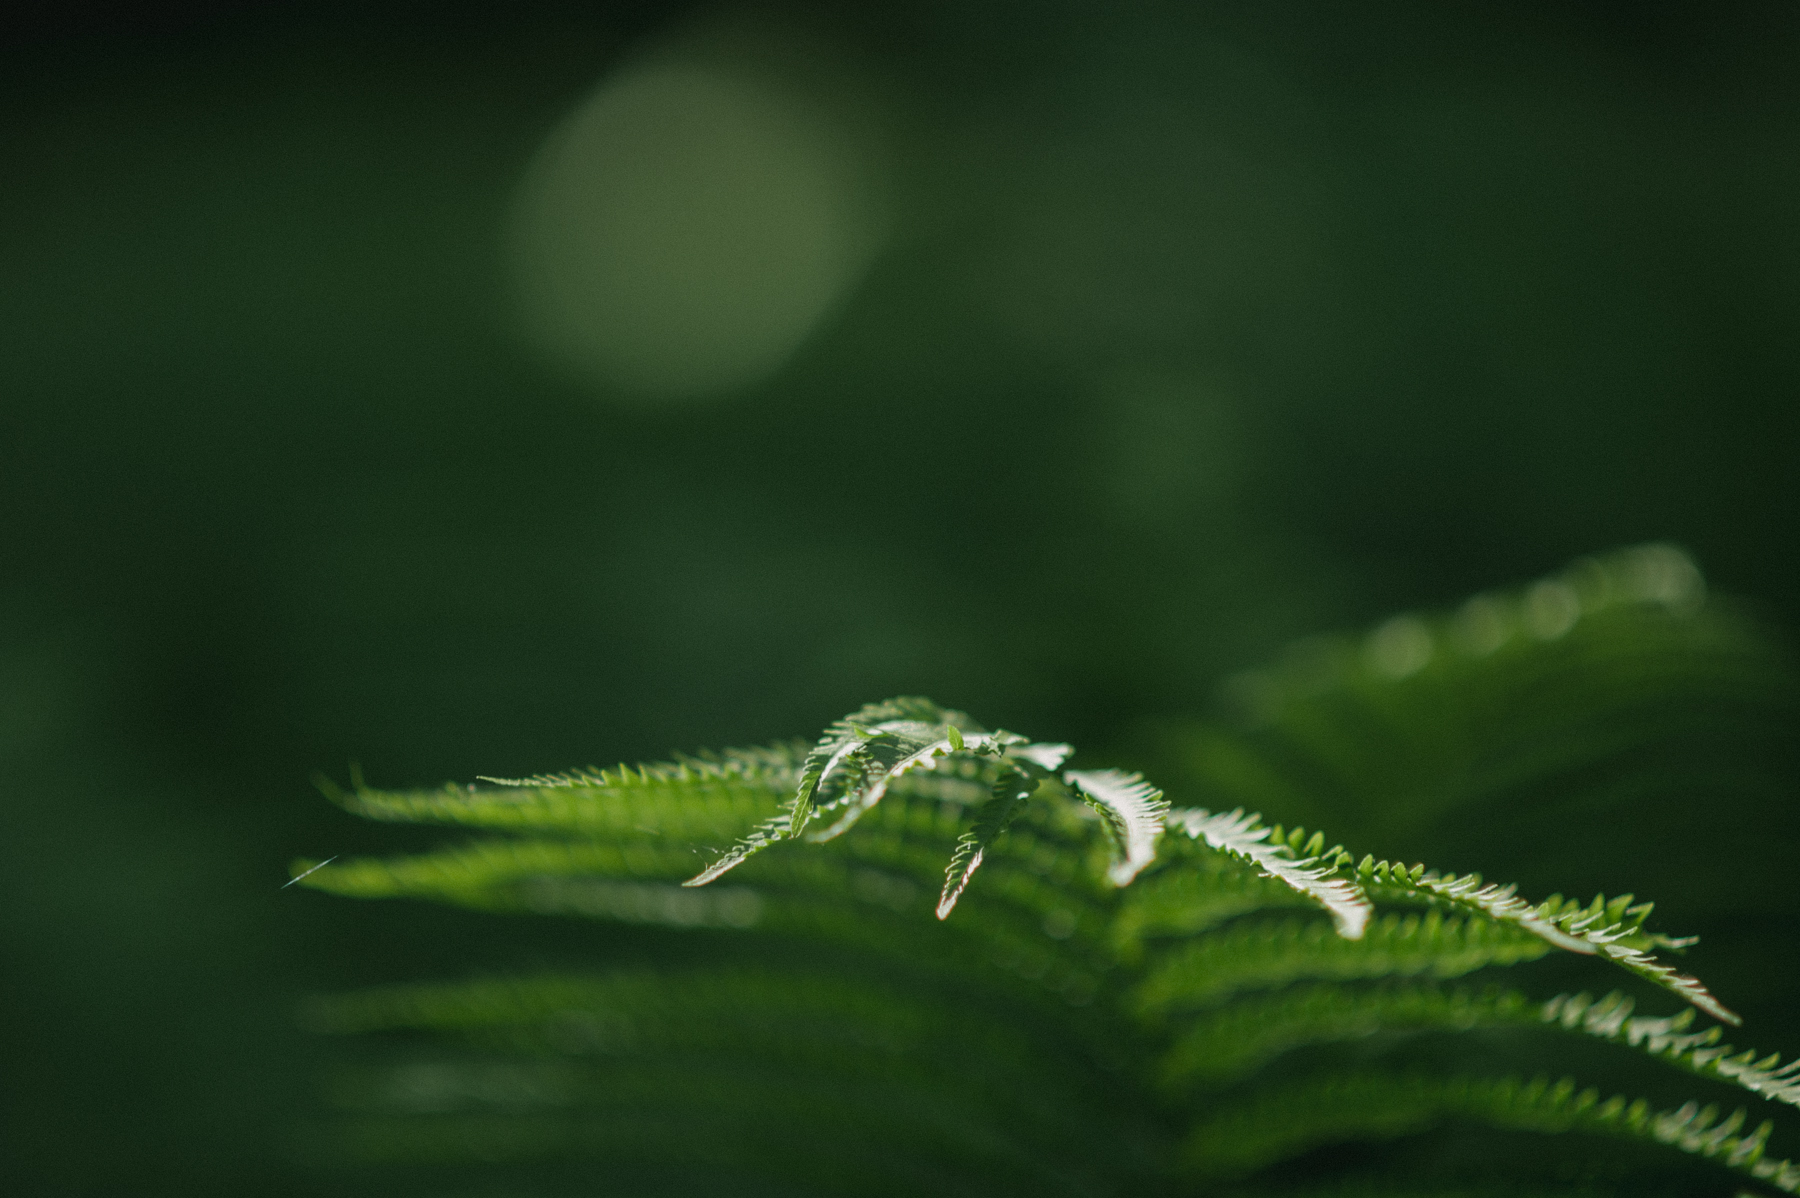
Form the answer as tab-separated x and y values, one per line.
1551	609
1399	648
687	227
1482	626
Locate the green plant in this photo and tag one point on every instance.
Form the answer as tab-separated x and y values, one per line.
1114	996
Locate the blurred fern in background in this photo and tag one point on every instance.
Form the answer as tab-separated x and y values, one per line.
1116	996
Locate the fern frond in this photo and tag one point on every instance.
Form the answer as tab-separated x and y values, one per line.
631	884
771	831
1011	790
903	726
699	798
1610	930
1099	986
909	835
1191	891
1590	693
843	762
864	755
775	765
796	1015
861	756
728	1131
1280	1122
1263	955
1236	1039
484	865
1042	919
1314	875
1131	810
1667	1037
814	1063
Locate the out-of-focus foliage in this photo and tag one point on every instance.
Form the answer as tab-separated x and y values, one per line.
1427	723
1638	754
1057	1033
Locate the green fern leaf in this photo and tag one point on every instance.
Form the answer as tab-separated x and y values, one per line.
1236	1039
1191	891
696	798
1592	930
841	768
861	756
1315	876
1132	811
1281	1122
1591	697
1265	955
1011	791
1667	1037
1102	985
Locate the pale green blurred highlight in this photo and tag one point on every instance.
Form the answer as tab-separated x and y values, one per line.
691	223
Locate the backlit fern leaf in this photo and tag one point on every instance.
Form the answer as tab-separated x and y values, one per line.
1314	875
1131	810
860	757
1096	1014
1191	891
1611	930
1011	791
696	797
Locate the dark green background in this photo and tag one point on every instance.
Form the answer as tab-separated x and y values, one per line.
1201	327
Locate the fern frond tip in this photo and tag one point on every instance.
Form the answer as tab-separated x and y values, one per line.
1243	836
1134	813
